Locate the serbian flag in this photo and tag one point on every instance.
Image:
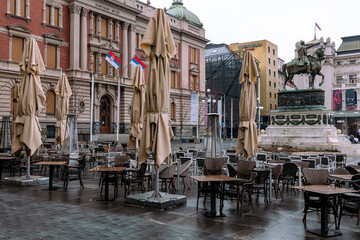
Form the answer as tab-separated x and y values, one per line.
317	26
136	62
113	60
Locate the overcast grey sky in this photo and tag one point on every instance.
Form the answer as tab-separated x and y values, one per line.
283	22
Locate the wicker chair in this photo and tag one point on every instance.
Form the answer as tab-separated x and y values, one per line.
167	173
351	170
276	171
184	172
312	202
136	178
289	173
351	201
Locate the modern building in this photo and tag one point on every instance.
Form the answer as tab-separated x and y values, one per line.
74	38
222	80
266	53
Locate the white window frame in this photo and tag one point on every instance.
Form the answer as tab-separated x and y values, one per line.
55	40
16	30
17	11
52	5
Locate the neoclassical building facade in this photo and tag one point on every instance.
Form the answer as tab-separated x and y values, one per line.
74	38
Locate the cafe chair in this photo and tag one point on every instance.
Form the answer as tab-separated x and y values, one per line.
212	166
260	185
312	201
184	172
135	178
276	178
289	174
166	174
351	170
73	171
340	160
231	170
350	202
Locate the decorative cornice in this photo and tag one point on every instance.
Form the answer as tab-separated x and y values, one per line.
75	9
125	25
18	27
53	36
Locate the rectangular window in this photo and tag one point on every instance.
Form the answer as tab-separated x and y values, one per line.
269	83
269	72
273	51
172	111
51	56
173	79
275	106
17	48
268	49
193	55
104	28
22	8
339	80
274	84
50	131
352	78
270	106
275	96
103	64
193	87
352	61
269	60
274	62
47	17
137	41
274	74
270	94
12	7
56	16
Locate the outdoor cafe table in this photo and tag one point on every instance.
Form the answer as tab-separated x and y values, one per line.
52	165
2	160
106	171
213	179
341	178
324	192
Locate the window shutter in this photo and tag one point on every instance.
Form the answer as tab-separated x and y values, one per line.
103	64
47	17
56	17
17	48
51	56
12	6
104	28
22	8
173	79
50	102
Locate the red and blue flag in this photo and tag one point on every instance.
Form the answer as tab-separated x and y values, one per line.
113	60
136	62
317	26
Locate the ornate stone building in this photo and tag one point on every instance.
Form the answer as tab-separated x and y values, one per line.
74	38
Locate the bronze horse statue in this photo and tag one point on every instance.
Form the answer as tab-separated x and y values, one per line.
291	68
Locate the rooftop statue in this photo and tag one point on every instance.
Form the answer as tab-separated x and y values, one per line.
305	64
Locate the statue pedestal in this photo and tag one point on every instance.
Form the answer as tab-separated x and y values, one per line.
305	131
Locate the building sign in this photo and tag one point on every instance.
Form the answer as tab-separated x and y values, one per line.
194	109
248	46
350	99
337	100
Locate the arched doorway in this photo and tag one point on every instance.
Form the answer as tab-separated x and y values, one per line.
105	114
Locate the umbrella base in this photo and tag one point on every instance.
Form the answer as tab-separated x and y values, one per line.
25	181
146	200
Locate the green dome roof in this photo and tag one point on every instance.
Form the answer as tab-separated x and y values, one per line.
178	10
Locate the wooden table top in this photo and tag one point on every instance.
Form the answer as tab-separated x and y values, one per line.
214	178
107	169
342	177
48	163
7	158
324	189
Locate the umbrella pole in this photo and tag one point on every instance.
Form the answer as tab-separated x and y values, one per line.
28	163
156	193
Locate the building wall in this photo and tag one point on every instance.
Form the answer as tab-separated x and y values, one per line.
79	49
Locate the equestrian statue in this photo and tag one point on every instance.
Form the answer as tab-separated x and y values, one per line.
305	64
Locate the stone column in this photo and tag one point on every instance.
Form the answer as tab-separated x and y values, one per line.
132	47
83	44
117	26
74	35
125	57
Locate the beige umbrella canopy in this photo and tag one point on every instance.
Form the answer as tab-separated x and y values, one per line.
31	100
137	107
158	44
247	137
63	90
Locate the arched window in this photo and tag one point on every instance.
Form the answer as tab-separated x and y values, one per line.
172	111
50	102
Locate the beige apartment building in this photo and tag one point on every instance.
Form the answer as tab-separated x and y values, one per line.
266	53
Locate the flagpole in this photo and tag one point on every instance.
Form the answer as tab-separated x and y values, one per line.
92	107
315	32
118	113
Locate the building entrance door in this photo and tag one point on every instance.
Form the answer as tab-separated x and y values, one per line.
105	114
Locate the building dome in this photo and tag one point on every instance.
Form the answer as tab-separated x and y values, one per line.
178	10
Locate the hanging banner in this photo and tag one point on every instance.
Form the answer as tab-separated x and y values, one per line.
194	109
350	99
337	100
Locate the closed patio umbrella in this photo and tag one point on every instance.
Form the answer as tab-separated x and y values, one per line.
137	108
247	136
63	91
31	100
158	44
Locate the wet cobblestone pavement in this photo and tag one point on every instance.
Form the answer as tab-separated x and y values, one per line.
36	213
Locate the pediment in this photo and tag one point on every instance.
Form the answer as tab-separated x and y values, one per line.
18	27
53	36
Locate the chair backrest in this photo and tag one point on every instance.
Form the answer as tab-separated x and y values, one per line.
142	170
185	159
351	170
302	164
289	169
231	170
262	177
316	176
200	162
261	157
355	181
324	161
233	158
341	171
276	161
244	168
185	167
213	166
121	160
311	162
201	154
277	171
230	151
179	155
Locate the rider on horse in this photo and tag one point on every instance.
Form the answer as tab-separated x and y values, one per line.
303	56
